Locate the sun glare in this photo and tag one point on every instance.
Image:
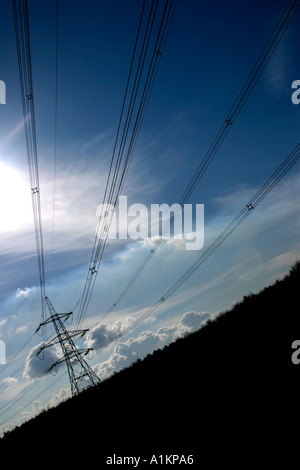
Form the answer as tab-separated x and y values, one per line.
15	199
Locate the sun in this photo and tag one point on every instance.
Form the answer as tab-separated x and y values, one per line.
15	199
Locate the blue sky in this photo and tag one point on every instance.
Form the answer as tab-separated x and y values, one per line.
210	51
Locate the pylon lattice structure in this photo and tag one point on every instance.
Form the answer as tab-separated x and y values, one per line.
80	373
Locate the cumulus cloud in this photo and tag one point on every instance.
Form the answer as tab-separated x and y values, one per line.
59	396
38	366
125	353
103	333
192	321
24	293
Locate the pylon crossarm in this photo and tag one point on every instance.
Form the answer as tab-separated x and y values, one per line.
40	350
57	340
79	333
70	355
61	315
86	351
49	320
53	318
79	352
85	377
56	363
52	342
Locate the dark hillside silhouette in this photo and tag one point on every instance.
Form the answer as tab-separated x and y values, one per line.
226	391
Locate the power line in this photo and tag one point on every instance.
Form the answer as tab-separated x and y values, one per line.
55	138
262	61
115	184
87	286
20	10
131	106
23	392
54	166
272	181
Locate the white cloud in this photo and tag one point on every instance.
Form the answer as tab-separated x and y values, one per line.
37	366
125	353
21	329
103	333
11	388
192	321
23	293
59	396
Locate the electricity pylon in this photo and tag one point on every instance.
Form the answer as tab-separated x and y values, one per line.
80	373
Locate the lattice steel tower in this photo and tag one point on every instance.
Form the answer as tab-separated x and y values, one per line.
80	373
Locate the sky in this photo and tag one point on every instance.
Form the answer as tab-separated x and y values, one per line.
210	51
